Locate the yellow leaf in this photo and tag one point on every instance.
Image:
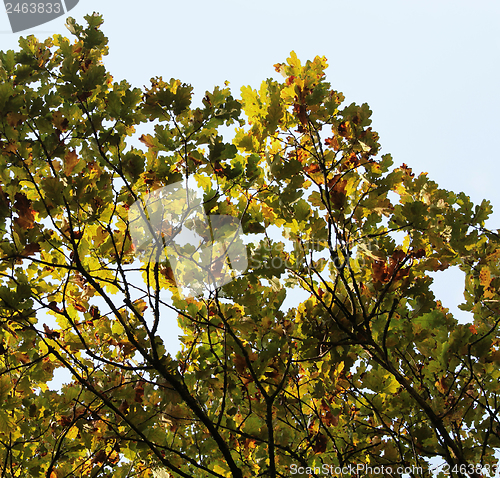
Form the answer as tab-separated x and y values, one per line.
73	433
44	350
391	385
406	244
293	60
140	306
203	182
485	277
221	471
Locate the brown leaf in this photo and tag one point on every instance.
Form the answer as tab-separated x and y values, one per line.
70	161
126	347
100	457
168	273
407	170
26	217
344	129
337	191
85	95
240	364
65	420
139	391
123	407
396	258
147	140
441	384
419	254
218	169
312	169
10	147
320	443
79	307
94	313
301	113
352	161
59	122
140	306
53	306
23	358
49	333
249	443
31	249
280	68
401	273
328	418
380	271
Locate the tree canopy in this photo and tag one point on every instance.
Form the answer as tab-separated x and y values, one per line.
369	376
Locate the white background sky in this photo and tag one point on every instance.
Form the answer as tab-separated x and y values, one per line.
429	70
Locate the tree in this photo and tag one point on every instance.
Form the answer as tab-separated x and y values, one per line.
369	371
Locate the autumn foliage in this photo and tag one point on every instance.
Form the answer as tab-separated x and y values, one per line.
369	368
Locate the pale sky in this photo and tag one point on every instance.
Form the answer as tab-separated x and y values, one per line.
429	70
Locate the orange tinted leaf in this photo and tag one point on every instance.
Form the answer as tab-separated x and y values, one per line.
147	139
70	161
333	143
344	129
313	168
380	272
407	170
140	305
80	307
